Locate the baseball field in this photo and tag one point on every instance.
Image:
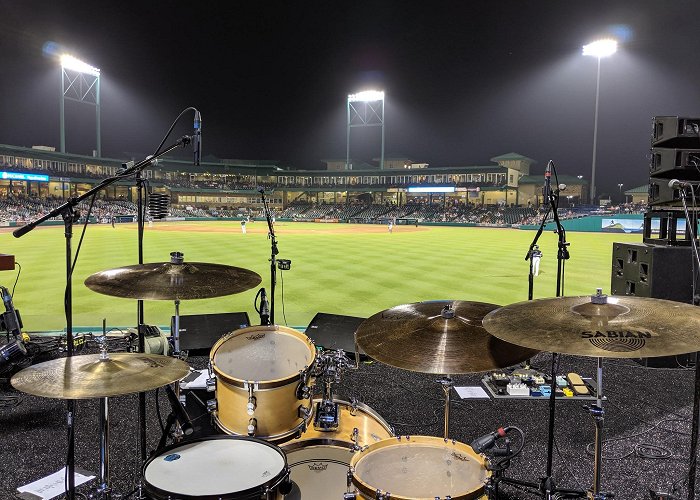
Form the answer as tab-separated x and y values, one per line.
345	269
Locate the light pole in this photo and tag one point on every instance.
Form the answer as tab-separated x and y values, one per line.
364	111
80	82
622	200
598	49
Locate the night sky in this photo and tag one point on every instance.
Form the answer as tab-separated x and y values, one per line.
464	81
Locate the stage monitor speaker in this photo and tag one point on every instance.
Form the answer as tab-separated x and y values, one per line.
333	331
675	132
660	272
199	332
681	164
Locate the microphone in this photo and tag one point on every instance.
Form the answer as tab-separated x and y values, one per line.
158	205
487	441
12	322
547	181
264	308
676	184
179	411
10	318
197	138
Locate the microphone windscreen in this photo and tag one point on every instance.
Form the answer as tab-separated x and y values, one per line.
158	205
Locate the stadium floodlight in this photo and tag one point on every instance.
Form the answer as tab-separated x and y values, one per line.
80	82
598	49
365	109
367	96
75	64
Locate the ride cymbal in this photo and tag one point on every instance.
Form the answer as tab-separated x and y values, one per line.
441	337
600	326
88	376
173	281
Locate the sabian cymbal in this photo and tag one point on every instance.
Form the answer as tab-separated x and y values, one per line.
88	376
441	337
172	281
624	327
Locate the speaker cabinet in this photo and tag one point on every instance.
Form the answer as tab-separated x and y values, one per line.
660	272
199	332
333	331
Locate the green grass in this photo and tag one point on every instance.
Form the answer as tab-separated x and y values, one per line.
334	269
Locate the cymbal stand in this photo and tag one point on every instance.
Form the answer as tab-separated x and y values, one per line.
104	489
598	415
176	258
447	384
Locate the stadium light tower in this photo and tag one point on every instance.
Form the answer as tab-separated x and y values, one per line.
598	49
80	82
365	110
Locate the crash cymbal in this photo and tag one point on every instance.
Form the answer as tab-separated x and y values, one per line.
173	281
87	376
441	337
622	327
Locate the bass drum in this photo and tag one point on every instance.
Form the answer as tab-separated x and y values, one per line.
319	460
220	467
419	467
261	373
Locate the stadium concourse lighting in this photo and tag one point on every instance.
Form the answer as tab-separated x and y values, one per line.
76	86
365	110
597	49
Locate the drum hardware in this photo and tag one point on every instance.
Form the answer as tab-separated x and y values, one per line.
329	368
597	326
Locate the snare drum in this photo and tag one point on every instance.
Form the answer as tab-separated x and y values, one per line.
319	460
219	467
419	467
262	374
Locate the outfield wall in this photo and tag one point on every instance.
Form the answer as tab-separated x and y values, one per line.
596	223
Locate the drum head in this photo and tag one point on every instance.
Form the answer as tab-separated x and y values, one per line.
319	472
423	467
263	355
220	467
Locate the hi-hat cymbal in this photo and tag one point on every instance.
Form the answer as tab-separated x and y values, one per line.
441	337
87	376
173	281
624	327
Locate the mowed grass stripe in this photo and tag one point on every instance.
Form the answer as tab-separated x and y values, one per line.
344	269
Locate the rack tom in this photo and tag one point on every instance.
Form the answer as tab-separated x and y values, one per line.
262	376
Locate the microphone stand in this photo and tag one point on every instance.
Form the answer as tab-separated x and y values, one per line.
691	227
528	255
70	216
546	485
273	254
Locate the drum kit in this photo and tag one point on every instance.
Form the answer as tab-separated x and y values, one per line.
279	440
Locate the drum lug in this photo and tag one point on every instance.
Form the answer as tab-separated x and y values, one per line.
303	390
211	384
350	496
304	413
211	405
252	401
252	426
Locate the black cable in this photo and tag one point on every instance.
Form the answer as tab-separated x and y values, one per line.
170	130
158	414
284	314
16	279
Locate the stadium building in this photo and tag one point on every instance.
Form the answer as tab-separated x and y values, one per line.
232	183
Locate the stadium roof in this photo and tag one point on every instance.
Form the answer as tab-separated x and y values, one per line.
643	189
512	156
